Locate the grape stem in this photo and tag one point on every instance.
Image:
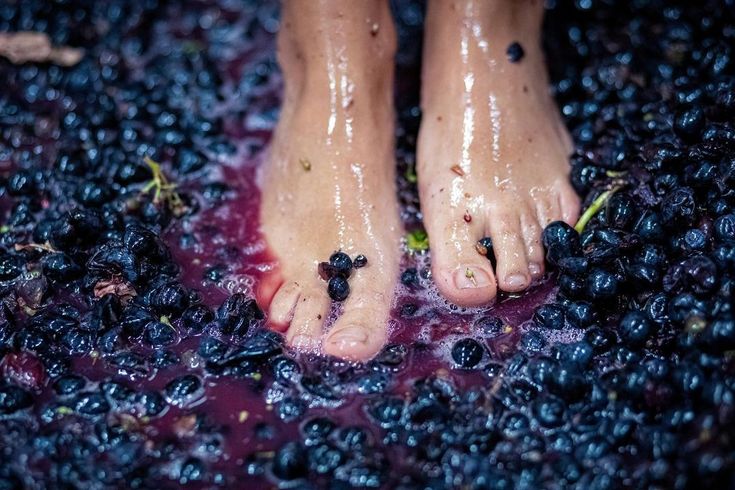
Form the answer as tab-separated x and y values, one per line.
164	191
594	208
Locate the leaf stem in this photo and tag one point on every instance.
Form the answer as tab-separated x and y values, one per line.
594	208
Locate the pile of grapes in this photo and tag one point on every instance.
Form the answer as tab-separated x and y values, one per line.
132	354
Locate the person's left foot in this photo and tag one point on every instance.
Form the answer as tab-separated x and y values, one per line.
492	151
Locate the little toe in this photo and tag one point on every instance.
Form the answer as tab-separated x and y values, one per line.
310	312
510	251
569	203
283	305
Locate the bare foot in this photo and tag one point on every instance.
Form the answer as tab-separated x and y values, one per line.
329	184
493	151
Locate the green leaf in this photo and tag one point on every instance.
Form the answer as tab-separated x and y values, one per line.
411	174
417	241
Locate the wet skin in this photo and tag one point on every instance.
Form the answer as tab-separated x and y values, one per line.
503	173
491	147
329	184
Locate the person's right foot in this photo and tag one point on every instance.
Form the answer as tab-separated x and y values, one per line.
493	151
329	183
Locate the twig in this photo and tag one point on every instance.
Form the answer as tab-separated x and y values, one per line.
594	208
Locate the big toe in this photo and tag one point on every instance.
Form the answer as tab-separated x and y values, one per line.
362	330
461	274
357	339
468	282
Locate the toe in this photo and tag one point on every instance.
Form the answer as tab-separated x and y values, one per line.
283	305
309	314
564	136
468	282
358	335
510	251
267	288
361	330
534	248
461	274
569	204
548	209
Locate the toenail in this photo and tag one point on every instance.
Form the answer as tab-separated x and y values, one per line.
534	269
349	337
305	343
516	281
471	277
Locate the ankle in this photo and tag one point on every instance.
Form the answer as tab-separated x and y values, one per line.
340	50
347	82
498	22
